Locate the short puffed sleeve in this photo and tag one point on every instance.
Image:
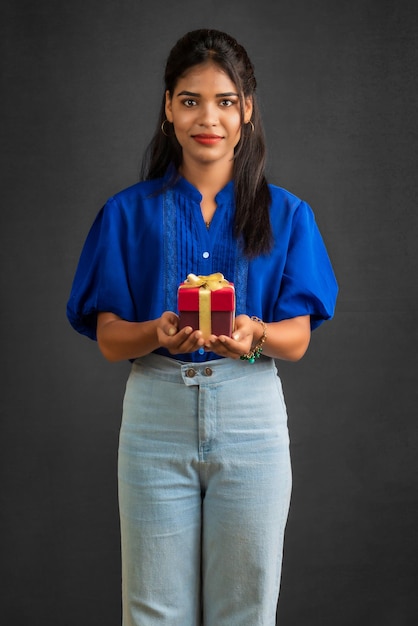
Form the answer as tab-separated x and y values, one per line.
308	285
101	281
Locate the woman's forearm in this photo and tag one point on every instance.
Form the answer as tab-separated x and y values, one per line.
120	340
288	339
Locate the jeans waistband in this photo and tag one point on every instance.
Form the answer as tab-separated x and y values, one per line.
207	373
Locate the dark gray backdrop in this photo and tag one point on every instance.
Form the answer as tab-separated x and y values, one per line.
81	87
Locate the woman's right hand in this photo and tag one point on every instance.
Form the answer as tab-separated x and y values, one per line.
174	340
119	340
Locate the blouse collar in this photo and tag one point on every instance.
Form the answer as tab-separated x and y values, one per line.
177	182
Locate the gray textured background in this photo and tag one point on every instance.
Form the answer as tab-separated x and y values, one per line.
81	88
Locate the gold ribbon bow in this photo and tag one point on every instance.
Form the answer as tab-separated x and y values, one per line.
213	282
206	284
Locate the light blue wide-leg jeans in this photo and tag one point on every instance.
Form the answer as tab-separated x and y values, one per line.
204	491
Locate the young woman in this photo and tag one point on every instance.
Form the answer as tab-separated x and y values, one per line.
204	467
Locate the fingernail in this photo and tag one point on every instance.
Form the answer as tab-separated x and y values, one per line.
171	331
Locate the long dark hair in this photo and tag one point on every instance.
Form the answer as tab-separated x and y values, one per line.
252	195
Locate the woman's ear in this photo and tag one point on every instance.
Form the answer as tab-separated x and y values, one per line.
168	111
248	109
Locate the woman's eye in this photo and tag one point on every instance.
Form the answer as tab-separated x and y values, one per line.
189	102
227	103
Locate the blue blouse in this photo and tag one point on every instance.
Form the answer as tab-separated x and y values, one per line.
149	237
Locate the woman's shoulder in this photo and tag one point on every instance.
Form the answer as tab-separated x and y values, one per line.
285	205
137	201
144	190
282	198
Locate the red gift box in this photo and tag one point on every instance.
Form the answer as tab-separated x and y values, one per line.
207	303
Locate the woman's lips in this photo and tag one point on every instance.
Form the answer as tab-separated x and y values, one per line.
207	140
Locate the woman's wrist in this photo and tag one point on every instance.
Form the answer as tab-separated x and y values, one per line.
259	339
259	329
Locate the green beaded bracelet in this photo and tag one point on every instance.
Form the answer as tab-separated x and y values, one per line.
255	352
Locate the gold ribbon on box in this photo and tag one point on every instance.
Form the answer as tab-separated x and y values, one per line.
206	284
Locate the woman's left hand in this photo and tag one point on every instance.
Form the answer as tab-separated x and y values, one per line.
287	339
240	342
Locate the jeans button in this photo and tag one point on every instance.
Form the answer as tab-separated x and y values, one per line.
208	371
191	373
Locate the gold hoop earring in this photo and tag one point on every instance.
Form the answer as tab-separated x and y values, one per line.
163	129
252	126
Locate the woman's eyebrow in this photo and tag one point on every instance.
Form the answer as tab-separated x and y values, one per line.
188	93
197	95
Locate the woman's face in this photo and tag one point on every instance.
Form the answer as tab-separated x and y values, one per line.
205	112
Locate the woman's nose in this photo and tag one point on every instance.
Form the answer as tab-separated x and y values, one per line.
208	115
